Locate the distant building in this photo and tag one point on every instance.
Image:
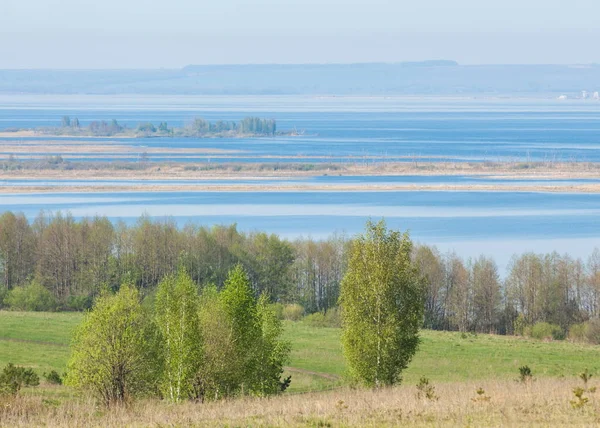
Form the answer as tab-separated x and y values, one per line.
562	97
584	94
596	95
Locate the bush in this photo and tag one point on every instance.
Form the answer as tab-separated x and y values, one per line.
520	325
277	308
525	374
544	330
79	303
114	349
293	312
577	332
3	294
30	297
53	377
592	331
331	318
13	378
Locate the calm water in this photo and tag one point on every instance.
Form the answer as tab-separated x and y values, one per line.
496	224
357	130
341	130
314	181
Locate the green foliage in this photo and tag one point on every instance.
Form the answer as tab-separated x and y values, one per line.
580	399
585	376
587	332
177	319
3	294
481	397
292	312
13	378
31	297
146	128
592	331
53	377
519	325
256	125
331	318
426	390
246	356
577	332
239	304
79	303
272	352
113	353
219	372
544	330
382	299
525	374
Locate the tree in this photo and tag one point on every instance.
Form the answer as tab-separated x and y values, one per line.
459	292
430	265
65	122
219	371
487	295
251	351
382	300
17	250
240	306
176	310
272	353
113	354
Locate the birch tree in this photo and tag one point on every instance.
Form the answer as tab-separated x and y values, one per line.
382	299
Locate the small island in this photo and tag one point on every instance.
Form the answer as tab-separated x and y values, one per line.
197	128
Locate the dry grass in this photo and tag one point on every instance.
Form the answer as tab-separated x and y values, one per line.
542	402
256	170
579	188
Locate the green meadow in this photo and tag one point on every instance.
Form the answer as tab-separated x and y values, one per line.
41	341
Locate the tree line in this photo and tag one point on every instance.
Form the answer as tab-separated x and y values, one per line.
198	127
59	263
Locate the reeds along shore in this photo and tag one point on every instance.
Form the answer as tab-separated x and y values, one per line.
61	167
539	402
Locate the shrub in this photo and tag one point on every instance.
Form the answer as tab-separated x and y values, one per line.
293	312
520	325
592	331
53	377
79	303
13	378
577	332
3	294
114	349
331	318
525	374
277	308
426	390
544	330
30	297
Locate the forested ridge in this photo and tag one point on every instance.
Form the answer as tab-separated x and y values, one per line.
59	263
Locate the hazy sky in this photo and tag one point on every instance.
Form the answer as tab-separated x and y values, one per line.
173	33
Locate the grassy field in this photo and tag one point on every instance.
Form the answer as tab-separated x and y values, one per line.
456	364
41	341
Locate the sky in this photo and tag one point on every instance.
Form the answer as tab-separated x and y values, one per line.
79	34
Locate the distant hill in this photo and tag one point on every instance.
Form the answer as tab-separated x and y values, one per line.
410	78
